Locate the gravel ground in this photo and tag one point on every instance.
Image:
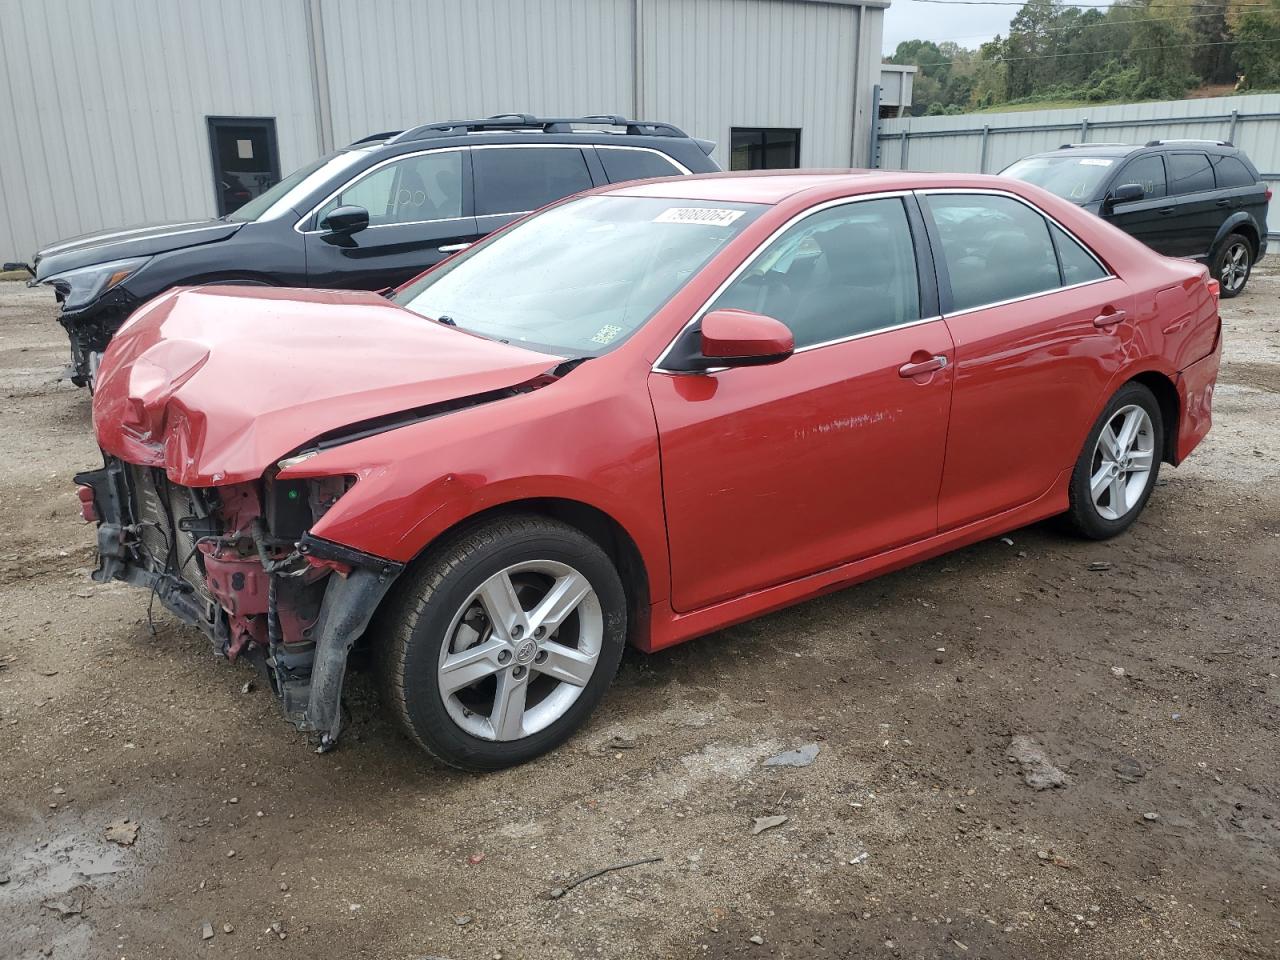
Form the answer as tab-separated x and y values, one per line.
1150	685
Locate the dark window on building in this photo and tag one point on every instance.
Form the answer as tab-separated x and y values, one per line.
246	162
516	179
1189	173
1147	172
1232	173
620	164
765	148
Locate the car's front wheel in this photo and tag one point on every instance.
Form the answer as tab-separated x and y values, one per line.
1233	264
502	641
1117	469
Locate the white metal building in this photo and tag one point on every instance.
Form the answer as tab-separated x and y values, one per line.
129	111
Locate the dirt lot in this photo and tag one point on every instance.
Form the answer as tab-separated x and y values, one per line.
1151	684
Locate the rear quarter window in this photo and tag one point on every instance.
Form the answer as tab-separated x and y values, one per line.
1230	172
620	164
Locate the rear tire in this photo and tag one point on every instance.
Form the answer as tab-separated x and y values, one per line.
497	602
1115	474
1233	265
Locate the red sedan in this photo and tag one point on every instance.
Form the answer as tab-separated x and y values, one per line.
639	415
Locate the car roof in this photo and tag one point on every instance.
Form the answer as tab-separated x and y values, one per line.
1128	149
775	186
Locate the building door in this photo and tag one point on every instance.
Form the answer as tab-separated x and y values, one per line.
246	161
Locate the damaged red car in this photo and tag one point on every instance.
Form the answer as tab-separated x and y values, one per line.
639	415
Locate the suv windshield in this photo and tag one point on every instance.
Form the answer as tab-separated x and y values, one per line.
580	278
1072	178
296	187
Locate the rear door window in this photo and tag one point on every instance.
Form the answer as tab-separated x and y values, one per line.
1147	172
1189	173
1230	172
620	164
996	248
517	179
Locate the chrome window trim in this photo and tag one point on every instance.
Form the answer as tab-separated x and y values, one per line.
760	248
1028	296
368	171
987	191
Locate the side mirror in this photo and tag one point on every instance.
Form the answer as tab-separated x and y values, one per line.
1128	193
739	338
345	220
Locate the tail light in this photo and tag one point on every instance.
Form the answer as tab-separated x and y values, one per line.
1215	290
1268	194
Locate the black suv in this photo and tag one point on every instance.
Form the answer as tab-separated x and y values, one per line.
1184	198
369	216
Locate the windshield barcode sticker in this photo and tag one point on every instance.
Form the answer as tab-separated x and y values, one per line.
1095	162
708	216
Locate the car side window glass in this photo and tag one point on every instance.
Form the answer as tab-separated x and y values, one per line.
995	248
620	165
1230	172
1189	173
1078	265
844	271
418	188
1147	172
519	179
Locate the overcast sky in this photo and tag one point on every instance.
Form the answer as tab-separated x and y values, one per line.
967	26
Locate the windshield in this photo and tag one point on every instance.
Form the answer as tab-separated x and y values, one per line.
1072	178
296	187
580	278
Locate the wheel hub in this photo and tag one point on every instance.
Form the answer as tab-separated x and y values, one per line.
526	652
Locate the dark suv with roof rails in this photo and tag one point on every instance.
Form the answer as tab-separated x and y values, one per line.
1201	199
368	216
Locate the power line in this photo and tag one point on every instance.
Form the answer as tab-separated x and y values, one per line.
1097	6
1099	53
1084	26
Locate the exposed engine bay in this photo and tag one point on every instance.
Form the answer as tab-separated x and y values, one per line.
237	561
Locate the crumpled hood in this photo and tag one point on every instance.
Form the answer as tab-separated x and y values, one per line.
111	245
216	384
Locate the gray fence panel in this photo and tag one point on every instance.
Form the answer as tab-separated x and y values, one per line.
989	142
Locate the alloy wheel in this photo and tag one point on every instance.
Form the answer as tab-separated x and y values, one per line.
520	650
1122	462
1235	266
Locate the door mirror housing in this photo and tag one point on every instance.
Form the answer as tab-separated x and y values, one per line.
345	220
1128	193
739	338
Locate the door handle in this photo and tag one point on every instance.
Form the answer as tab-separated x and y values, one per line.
1222	203
915	369
1109	319
1165	211
453	247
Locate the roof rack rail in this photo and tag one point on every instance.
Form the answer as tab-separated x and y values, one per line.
375	137
1216	143
1076	146
528	122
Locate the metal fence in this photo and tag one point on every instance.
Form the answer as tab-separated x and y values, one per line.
989	142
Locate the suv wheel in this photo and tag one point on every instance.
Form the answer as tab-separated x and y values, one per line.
503	641
1233	264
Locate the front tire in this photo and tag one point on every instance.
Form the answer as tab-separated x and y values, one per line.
1118	467
502	641
1232	265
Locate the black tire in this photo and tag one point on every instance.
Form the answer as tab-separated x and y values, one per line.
1083	517
1237	250
412	632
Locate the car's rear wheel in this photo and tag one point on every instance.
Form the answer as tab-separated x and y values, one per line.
502	641
1117	469
1233	265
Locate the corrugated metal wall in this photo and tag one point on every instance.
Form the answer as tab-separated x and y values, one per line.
103	107
710	65
960	144
396	63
